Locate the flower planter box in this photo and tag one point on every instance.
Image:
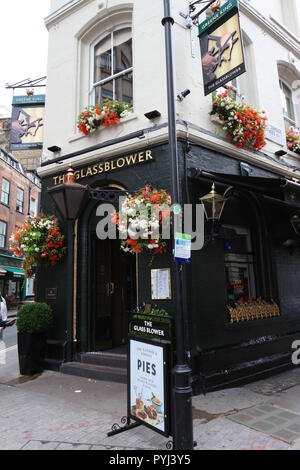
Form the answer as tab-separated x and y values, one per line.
32	352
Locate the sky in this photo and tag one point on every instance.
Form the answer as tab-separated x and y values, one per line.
23	45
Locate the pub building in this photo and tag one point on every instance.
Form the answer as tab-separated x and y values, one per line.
241	290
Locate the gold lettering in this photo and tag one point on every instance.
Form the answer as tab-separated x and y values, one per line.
82	175
131	159
149	155
141	157
61	179
95	170
89	171
77	174
112	165
106	166
123	162
55	180
100	167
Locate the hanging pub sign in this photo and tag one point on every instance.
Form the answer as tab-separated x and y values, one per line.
148	387
221	46
27	122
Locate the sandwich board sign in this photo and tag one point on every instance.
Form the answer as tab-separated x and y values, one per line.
148	397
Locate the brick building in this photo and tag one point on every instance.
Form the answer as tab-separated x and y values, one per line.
19	197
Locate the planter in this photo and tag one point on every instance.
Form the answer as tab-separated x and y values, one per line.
32	352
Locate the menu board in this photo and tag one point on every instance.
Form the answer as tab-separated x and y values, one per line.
161	284
147	384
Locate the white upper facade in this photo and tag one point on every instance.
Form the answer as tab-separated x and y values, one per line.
82	31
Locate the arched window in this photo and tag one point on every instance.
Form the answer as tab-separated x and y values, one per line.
112	66
288	77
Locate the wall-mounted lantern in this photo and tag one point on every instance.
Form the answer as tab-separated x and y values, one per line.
295	221
213	205
70	197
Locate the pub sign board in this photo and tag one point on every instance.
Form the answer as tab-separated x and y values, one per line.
148	384
150	326
221	45
27	122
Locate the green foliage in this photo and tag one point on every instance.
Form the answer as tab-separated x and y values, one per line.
34	318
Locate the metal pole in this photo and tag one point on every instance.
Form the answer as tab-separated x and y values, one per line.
182	390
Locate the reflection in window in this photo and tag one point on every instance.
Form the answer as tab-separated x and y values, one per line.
287	101
5	191
113	67
240	280
20	200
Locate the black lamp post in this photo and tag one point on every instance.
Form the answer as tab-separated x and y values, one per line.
182	390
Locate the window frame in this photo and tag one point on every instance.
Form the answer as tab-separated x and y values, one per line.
94	85
8	194
291	121
32	200
18	200
3	235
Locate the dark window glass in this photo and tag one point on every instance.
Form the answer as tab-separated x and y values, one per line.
3	230
20	200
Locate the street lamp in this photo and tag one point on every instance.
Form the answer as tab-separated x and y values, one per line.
70	197
213	205
182	389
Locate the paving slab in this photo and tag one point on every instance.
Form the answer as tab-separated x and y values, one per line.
274	421
53	411
277	383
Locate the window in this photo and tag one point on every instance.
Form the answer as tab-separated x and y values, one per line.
112	67
3	231
288	106
30	287
5	191
20	200
32	209
240	280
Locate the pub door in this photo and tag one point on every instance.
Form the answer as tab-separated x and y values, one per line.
114	294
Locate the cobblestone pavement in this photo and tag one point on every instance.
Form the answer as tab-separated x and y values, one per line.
60	412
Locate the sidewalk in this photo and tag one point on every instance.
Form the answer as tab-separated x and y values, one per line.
56	411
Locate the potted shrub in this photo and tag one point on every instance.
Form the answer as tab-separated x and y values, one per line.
33	322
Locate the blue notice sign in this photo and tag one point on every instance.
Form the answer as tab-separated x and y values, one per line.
182	252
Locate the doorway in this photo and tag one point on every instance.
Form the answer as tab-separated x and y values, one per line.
114	293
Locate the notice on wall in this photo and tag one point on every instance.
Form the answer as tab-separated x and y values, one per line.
147	384
183	243
161	284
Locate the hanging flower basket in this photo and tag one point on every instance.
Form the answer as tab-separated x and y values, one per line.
38	241
141	219
293	140
107	114
244	126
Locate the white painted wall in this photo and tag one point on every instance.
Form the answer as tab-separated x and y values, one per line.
70	36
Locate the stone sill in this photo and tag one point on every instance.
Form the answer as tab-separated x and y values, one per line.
79	135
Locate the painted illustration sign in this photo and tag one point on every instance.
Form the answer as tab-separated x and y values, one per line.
221	47
27	122
147	384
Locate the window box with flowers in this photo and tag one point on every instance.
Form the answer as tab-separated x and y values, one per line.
38	241
108	114
293	140
244	126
